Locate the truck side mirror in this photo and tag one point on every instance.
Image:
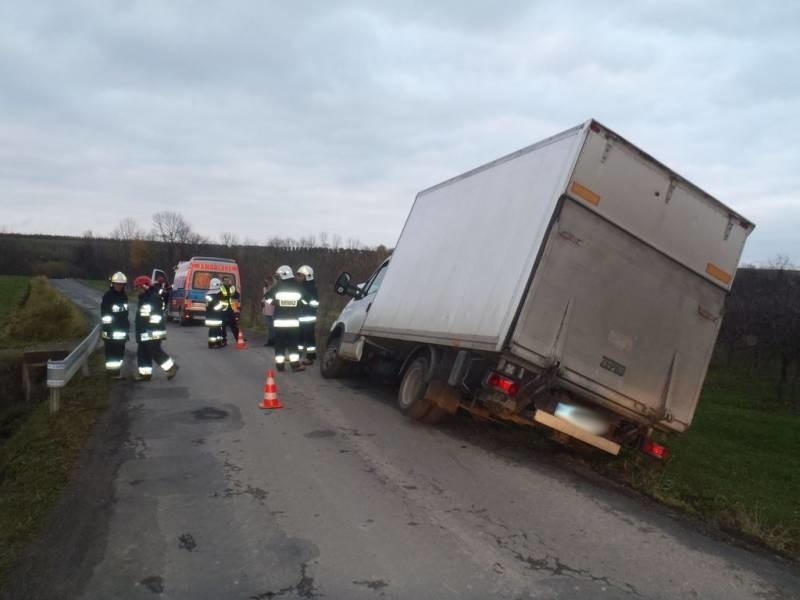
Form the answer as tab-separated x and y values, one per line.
343	287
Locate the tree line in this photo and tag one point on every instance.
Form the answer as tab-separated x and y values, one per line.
136	251
760	332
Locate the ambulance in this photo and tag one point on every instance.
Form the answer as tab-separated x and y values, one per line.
192	279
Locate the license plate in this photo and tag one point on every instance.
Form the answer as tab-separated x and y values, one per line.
287	302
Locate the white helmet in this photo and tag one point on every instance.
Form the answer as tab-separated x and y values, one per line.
119	277
214	285
284	272
307	271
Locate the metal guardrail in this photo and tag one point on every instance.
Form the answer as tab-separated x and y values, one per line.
59	372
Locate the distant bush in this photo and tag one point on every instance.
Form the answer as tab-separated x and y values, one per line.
49	268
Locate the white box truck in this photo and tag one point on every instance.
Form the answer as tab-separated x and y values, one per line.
577	284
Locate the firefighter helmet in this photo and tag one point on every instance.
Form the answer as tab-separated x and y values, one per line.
284	272
142	281
307	271
214	284
119	277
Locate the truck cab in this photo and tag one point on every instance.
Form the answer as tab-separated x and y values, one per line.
349	323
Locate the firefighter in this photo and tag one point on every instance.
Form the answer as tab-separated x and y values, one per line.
115	323
286	296
231	299
215	314
308	318
151	330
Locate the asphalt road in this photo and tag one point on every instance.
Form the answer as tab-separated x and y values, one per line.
190	491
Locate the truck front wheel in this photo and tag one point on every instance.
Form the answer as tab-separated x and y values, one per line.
332	366
411	396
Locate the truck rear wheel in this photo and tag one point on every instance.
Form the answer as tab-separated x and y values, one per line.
411	396
332	366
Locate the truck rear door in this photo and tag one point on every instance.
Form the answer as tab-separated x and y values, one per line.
626	322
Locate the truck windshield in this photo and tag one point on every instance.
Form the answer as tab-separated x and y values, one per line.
201	280
376	282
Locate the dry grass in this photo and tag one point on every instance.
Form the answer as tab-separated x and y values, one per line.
45	316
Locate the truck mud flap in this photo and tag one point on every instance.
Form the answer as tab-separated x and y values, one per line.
443	396
574	431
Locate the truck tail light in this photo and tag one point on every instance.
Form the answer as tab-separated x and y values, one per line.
501	383
655	450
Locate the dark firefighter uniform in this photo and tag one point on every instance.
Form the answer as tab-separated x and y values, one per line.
215	317
286	296
164	289
115	326
308	320
230	297
151	330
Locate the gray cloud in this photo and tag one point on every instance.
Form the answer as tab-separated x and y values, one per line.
270	118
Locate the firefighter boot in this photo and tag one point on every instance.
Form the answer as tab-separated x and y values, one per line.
172	370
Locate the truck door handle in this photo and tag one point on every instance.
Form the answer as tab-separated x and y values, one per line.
368	307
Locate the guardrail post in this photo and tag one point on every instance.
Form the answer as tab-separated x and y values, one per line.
55	400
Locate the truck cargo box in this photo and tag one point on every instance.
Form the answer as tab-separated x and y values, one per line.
579	251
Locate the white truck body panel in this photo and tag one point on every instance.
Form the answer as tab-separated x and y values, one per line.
469	245
580	251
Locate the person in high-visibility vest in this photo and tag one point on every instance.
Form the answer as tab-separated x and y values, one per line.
151	330
308	318
215	314
231	298
115	323
286	296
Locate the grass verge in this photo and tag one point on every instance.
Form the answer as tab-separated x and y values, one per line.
45	316
737	468
36	462
37	450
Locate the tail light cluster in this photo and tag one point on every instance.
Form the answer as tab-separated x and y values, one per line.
654	449
501	383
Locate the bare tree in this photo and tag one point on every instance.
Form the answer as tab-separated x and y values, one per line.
781	262
176	234
228	239
128	229
309	241
171	228
323	239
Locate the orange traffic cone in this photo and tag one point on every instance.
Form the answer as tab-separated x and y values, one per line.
240	345
270	393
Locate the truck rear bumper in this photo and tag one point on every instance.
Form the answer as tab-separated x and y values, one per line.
576	432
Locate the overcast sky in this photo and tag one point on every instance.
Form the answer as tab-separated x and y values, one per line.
292	118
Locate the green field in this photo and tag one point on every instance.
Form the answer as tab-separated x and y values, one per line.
738	466
12	290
